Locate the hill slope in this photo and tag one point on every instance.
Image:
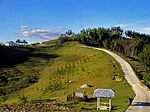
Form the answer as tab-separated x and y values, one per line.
79	66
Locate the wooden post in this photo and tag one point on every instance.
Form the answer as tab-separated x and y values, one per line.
98	103
109	104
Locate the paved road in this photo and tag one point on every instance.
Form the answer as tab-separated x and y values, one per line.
141	102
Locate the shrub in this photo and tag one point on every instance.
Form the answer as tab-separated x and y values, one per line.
146	78
23	98
3	98
32	78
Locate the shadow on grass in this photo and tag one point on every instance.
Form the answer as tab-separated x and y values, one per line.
141	104
91	99
10	56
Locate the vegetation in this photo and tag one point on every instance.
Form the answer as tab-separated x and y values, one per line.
20	67
131	44
23	98
54	69
63	68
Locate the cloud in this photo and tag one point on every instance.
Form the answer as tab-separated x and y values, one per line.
145	30
26	31
122	25
24	26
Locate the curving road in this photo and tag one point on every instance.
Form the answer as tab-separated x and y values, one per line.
141	102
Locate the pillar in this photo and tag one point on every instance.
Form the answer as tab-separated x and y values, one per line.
98	103
109	104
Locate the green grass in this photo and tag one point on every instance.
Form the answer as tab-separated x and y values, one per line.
80	65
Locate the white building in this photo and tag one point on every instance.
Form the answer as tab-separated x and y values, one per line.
11	43
21	43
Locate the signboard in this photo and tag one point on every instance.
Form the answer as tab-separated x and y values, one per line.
104	93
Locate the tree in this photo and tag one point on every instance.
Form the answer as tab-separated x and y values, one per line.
128	33
145	55
135	43
116	32
95	37
104	37
24	41
132	34
69	33
18	41
121	45
84	36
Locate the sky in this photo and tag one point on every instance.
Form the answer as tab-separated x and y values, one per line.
42	20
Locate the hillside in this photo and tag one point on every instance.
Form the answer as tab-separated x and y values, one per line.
53	72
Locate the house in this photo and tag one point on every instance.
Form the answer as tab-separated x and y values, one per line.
21	43
10	43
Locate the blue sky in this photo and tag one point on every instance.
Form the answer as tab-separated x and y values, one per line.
40	20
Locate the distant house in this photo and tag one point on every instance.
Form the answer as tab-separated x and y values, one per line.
10	43
21	43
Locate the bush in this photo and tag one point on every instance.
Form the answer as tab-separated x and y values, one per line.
146	78
23	98
32	78
3	98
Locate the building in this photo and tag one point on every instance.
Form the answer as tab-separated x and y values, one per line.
21	43
10	43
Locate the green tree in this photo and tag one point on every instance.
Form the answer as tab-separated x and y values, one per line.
121	45
116	32
104	37
18	41
24	41
145	55
135	43
69	32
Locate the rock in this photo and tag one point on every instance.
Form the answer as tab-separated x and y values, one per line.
86	86
71	81
117	78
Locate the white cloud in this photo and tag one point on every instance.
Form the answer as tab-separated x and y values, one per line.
26	31
122	25
145	30
24	26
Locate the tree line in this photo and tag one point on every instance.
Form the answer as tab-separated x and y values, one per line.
129	43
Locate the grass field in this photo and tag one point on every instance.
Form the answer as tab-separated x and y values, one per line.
80	66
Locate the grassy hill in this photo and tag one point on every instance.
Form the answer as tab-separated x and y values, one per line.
53	72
